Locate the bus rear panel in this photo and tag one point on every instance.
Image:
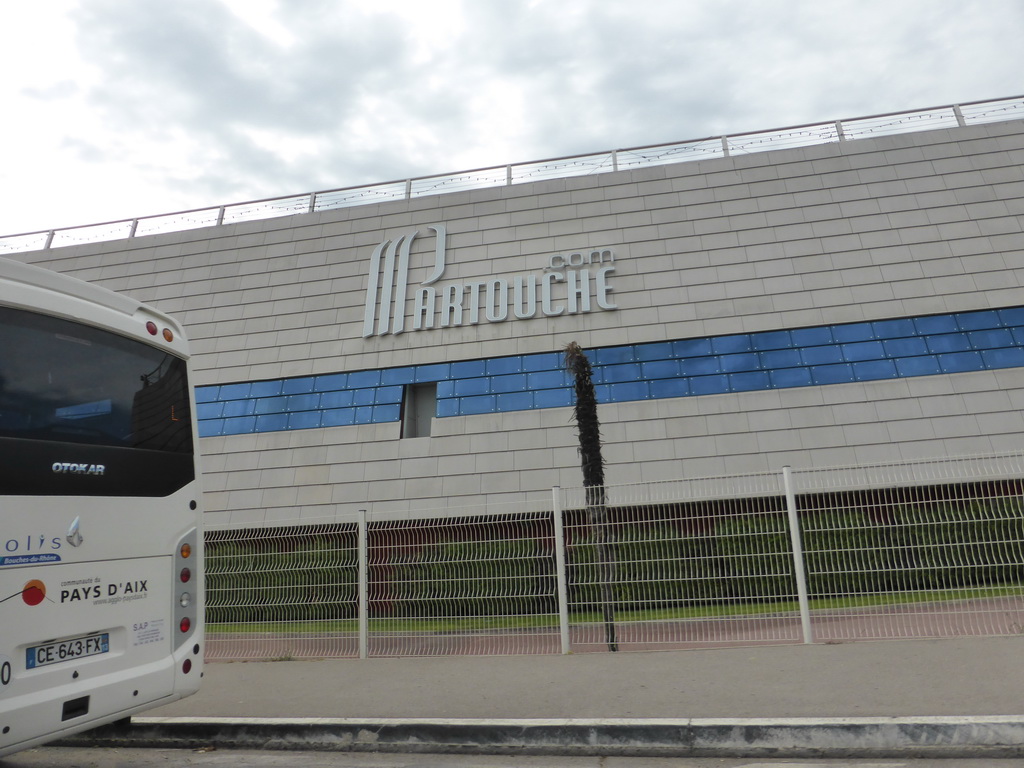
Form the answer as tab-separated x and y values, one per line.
101	561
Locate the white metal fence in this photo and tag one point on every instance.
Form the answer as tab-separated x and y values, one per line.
950	116
911	550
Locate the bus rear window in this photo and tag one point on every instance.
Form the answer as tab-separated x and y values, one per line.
65	382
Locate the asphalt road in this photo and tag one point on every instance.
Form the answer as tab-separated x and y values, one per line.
61	757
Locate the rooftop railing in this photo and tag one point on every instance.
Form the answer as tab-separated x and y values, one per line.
951	116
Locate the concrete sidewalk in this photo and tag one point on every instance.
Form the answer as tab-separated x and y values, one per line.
955	696
969	676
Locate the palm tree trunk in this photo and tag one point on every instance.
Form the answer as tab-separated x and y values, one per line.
592	463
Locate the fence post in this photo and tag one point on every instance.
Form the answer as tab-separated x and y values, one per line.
364	634
798	556
560	574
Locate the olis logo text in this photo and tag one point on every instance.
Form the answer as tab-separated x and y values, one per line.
29	550
113	592
35	543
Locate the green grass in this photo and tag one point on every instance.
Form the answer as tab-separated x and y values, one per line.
737	608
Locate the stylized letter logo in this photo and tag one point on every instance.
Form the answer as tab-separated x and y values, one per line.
389	281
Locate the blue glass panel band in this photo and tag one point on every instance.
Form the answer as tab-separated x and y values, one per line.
800	357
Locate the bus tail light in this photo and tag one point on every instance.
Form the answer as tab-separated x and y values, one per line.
187	600
152	329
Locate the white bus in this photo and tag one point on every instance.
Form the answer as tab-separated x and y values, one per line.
101	563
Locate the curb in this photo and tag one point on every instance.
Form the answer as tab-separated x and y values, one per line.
998	736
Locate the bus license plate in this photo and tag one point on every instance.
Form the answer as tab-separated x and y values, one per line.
66	650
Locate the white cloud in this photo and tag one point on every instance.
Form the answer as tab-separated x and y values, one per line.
125	109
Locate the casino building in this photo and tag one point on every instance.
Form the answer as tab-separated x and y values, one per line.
853	298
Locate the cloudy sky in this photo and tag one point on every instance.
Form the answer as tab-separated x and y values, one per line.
121	108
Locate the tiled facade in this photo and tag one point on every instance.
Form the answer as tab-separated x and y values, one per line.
833	304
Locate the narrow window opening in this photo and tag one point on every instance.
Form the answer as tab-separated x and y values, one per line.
418	408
